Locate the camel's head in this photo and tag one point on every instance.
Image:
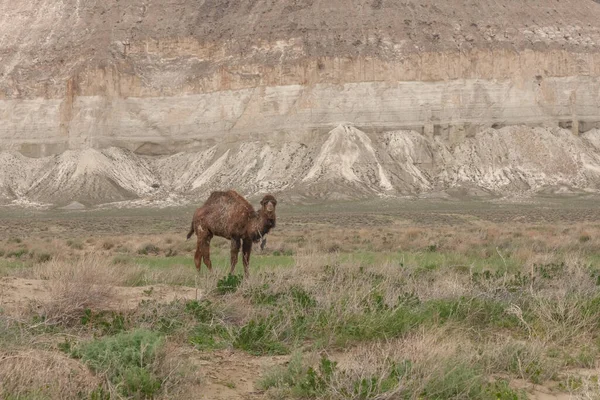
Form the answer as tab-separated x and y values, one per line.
268	204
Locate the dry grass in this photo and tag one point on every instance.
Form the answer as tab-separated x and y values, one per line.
586	387
182	378
74	285
424	351
465	306
43	374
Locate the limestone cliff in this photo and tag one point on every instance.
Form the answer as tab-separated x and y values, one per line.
400	93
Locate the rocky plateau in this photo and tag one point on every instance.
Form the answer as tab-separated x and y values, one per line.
146	102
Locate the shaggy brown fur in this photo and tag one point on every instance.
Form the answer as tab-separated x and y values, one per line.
229	215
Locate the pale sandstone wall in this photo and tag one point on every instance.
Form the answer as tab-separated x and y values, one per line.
160	77
104	108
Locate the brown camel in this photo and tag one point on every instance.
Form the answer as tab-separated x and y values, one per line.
229	215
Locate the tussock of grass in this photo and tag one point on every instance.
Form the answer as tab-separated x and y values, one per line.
259	337
20	253
382	372
43	257
128	360
75	244
149	248
40	374
209	332
75	286
229	283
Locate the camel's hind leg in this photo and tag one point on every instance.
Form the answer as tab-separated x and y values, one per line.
206	251
203	249
235	249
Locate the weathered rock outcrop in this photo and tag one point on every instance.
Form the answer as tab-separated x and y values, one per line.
207	86
345	163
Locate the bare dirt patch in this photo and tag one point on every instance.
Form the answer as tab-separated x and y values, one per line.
19	293
227	374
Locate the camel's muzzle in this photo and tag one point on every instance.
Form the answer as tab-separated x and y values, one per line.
270	207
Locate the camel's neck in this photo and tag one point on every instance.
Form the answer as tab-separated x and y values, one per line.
260	225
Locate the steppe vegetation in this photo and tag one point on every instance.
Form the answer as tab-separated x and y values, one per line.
397	300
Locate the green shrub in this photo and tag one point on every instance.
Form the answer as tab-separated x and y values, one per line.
377	325
475	312
380	320
209	333
307	382
302	298
299	296
369	387
99	394
500	390
302	381
590	307
128	359
208	336
262	296
526	364
201	310
315	383
257	337
453	379
109	322
229	284
550	271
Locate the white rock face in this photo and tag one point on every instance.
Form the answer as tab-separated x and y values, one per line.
345	163
166	125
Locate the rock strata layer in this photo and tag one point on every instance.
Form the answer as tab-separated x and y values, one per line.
174	93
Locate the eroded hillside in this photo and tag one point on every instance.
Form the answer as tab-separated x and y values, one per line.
105	101
346	163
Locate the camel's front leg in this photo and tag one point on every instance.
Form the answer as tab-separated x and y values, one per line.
235	249
246	250
198	255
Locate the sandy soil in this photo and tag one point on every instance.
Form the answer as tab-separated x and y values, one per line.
18	293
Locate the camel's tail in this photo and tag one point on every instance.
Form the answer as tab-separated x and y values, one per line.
191	232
